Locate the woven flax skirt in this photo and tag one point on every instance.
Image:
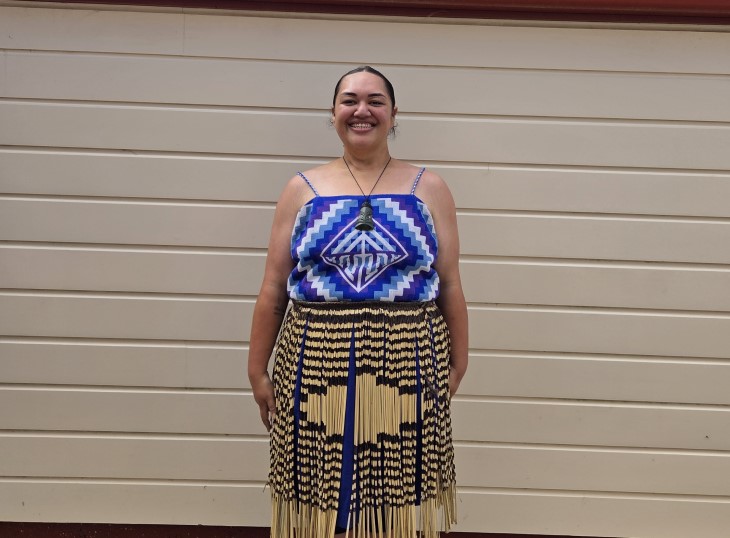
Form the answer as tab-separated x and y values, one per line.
362	436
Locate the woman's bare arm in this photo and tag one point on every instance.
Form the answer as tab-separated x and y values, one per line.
272	300
451	300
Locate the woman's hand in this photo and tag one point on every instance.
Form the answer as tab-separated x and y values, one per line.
454	380
263	393
272	300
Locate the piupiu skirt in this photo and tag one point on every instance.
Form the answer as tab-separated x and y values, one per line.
362	436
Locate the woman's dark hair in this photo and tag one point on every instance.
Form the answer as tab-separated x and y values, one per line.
367	69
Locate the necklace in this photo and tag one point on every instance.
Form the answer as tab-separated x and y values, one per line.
365	218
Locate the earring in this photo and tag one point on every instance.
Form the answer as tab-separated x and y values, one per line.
392	130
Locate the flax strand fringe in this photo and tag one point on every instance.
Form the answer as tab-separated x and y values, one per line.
403	471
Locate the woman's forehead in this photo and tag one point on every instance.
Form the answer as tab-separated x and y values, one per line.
363	82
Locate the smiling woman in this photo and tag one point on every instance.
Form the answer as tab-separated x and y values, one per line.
360	106
148	147
375	342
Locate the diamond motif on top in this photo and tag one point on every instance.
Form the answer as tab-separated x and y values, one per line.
361	256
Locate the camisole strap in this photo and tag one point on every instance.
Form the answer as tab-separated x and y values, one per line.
309	183
415	182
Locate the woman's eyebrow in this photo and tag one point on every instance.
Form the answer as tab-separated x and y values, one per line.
353	94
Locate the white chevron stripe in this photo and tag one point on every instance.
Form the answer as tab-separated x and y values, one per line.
412	227
314	229
408	278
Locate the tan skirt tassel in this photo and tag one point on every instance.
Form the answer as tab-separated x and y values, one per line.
402	476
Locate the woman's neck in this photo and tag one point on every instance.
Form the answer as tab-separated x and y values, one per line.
367	161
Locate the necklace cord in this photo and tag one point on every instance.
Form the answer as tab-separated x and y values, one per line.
367	196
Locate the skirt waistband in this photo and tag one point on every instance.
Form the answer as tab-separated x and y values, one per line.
363	305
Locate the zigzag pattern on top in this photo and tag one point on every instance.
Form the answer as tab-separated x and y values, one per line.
392	262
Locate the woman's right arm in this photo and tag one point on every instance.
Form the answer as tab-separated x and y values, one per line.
272	300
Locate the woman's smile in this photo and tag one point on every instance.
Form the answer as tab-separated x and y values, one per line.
361	126
362	107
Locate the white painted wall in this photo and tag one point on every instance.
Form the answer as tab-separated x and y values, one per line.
142	151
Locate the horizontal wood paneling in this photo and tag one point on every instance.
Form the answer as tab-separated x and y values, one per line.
590	170
157	458
254	83
579	469
132	223
492	281
137	317
201	365
164	128
112	501
480	139
592	424
599	331
388	42
499	420
112	410
91	30
246	226
601	514
232	178
489	186
597	143
587	190
570	469
597	238
588	284
497	328
145	175
580	377
563	513
124	363
126	269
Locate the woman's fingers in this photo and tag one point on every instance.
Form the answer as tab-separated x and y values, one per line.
264	412
454	382
263	391
268	412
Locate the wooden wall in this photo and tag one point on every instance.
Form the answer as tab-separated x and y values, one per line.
141	154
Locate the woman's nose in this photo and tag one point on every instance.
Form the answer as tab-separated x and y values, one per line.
362	109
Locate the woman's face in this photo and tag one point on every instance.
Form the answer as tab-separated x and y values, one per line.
363	113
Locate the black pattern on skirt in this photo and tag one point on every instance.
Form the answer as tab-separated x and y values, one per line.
403	452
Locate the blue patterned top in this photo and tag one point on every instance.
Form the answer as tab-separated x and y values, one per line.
337	262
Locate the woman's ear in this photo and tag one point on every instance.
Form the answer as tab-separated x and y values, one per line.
394	123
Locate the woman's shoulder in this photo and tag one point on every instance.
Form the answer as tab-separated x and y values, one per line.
300	188
433	190
318	173
431	179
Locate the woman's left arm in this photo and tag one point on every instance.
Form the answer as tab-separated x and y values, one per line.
451	300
